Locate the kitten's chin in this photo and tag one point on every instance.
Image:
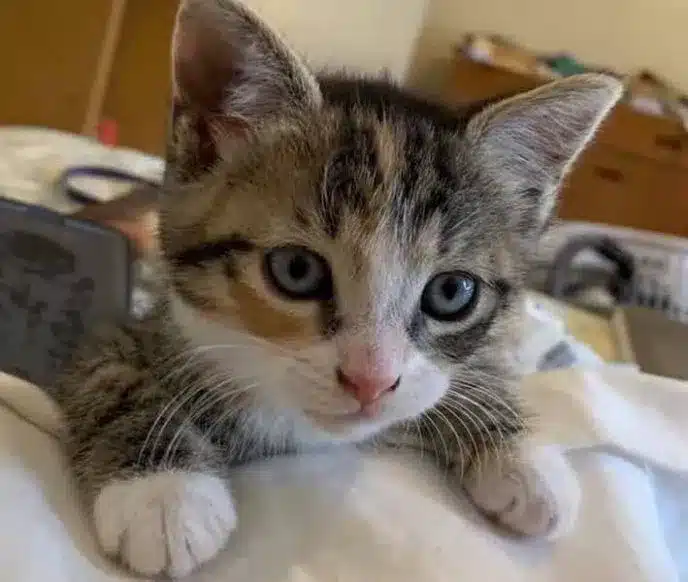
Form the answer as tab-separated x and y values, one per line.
350	427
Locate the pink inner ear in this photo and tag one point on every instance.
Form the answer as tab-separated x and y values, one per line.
202	60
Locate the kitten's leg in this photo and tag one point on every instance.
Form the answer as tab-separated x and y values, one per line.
527	489
160	509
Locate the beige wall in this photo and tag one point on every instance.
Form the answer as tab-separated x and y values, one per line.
368	35
623	34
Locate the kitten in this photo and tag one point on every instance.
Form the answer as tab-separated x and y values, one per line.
340	258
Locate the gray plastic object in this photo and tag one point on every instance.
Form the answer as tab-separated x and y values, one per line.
58	277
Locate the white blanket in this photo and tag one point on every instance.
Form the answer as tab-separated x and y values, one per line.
347	518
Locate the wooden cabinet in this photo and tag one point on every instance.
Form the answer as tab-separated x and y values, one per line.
635	174
138	95
71	63
614	186
49	55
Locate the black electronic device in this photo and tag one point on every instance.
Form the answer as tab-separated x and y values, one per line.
58	276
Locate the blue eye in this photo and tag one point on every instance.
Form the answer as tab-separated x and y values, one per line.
298	273
449	296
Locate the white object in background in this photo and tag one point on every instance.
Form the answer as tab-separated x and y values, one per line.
542	331
661	262
33	158
546	342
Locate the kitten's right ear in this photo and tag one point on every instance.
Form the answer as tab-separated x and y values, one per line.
232	74
528	143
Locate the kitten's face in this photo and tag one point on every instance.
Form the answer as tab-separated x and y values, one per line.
346	260
342	282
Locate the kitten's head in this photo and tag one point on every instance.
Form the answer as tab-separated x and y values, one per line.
346	251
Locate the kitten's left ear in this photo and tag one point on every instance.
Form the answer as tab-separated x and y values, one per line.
227	61
232	75
528	143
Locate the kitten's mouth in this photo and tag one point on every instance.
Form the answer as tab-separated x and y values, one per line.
364	414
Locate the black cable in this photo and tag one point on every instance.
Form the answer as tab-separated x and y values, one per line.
559	281
64	182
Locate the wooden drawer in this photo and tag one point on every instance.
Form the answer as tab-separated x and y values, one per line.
472	81
614	187
658	138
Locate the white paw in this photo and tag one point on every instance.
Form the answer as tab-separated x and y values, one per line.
166	523
535	495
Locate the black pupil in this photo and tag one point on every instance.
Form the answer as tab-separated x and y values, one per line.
298	267
449	288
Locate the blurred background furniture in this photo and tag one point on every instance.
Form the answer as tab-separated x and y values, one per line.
74	63
636	172
101	68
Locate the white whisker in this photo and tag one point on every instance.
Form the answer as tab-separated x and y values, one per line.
459	444
456	398
438	431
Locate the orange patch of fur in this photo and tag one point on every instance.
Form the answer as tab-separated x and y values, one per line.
262	319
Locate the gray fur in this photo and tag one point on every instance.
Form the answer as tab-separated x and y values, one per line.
138	401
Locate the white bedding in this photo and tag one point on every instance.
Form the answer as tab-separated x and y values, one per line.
347	518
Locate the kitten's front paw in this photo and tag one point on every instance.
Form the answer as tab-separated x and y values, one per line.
537	495
165	523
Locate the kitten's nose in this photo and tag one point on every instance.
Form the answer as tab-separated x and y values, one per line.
364	388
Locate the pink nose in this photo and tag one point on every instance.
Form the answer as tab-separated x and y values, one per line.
366	389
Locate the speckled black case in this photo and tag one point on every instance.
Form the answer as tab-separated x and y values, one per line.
58	276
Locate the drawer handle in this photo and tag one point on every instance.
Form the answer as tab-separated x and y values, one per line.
609	174
673	143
